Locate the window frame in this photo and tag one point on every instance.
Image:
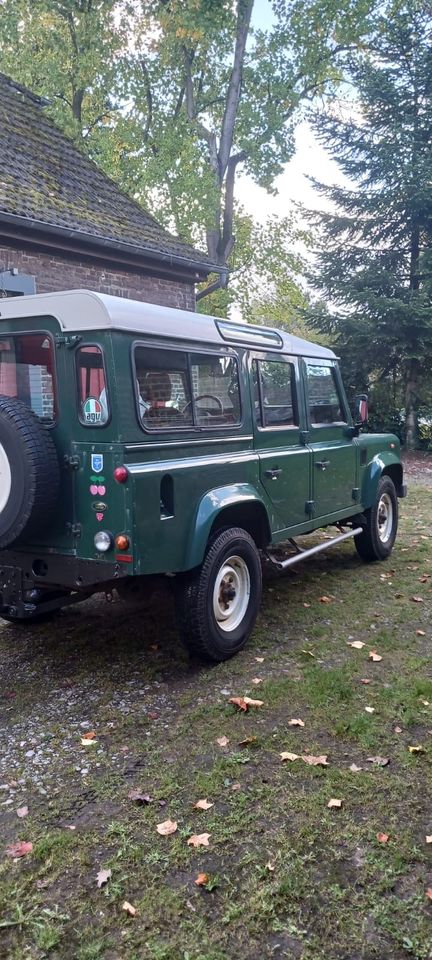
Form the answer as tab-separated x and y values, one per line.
189	353
288	362
329	365
49	424
92	426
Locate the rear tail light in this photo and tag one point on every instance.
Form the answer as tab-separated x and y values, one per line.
121	474
122	542
103	541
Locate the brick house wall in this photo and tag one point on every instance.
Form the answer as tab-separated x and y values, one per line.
54	272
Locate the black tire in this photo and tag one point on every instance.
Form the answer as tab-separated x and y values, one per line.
32	619
378	537
197	594
29	458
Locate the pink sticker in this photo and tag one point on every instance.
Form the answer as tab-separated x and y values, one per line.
99	516
101	490
93	490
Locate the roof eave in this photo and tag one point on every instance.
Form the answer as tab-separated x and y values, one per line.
154	261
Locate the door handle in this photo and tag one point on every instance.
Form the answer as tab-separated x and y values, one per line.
274	473
322	464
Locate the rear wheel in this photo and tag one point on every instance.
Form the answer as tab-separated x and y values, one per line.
217	604
378	537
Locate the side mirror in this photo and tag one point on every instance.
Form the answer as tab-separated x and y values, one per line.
360	410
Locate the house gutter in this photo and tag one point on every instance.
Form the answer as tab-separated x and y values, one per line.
129	254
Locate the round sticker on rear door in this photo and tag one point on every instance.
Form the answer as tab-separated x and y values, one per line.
92	410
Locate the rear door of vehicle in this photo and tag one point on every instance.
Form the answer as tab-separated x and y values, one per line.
279	424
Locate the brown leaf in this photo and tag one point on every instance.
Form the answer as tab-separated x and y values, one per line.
259	659
429	838
247	741
418	749
203	805
129	909
22	812
320	761
139	797
296	723
199	840
378	761
357	644
90	735
253	703
325	599
102	877
166	827
382	837
398	729
19	849
238	702
256	680
417	599
373	655
334	802
370	709
306	604
420	633
365	681
429	893
354	768
222	741
202	879
270	867
289	756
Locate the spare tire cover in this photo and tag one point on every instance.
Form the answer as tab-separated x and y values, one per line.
29	472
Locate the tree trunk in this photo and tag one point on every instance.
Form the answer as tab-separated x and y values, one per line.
412	376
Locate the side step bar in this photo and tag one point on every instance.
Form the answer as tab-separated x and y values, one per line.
304	554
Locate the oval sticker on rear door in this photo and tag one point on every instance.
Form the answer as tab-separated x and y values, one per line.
99	507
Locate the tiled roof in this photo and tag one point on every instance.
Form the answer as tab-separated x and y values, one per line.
45	179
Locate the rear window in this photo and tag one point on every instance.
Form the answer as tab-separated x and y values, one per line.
27	372
93	401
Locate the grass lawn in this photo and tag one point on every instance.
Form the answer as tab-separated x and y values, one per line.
287	876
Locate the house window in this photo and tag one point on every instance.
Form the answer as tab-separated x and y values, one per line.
93	399
27	372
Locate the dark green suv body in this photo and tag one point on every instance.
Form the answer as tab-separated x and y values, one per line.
138	441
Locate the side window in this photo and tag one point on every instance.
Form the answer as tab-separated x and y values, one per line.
162	388
325	404
93	400
216	391
27	371
275	399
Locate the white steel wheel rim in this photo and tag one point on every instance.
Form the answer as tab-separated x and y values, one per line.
231	594
5	478
385	517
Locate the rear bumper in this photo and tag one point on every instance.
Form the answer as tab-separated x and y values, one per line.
23	571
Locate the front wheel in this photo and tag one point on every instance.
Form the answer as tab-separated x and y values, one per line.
378	536
217	604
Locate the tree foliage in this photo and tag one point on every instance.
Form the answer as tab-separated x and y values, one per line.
375	261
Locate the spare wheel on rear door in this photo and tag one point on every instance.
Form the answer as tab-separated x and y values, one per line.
29	472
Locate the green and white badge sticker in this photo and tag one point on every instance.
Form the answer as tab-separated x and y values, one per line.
92	410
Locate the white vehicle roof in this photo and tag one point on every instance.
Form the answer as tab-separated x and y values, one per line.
78	310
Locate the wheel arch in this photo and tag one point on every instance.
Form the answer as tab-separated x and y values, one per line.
383	465
238	505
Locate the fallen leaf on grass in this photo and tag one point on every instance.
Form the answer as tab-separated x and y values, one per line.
370	709
357	644
222	741
320	761
270	866
325	599
257	680
203	804
418	749
199	840
90	735
306	604
420	633
19	849
259	659
429	838
417	599
296	723
102	877
166	827
378	761
334	802
374	656
253	703
429	893
202	879
398	729
86	742
238	702
365	681
289	756
382	837
129	909
139	797
247	741
354	768
22	812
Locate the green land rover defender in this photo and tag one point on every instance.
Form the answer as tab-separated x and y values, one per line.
138	441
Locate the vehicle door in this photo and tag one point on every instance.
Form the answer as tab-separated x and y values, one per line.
284	458
334	449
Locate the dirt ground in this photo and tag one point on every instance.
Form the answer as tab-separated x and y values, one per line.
284	875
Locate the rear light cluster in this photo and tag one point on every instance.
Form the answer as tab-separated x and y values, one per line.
104	540
121	474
